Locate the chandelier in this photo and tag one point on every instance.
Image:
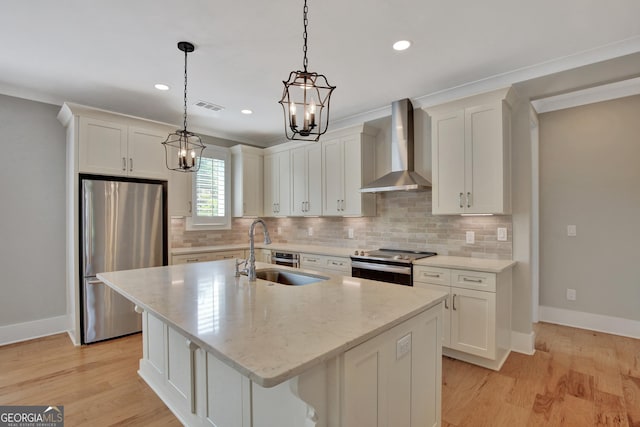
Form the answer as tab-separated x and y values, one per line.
305	100
183	149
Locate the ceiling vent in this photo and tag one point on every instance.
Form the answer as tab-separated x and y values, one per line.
209	106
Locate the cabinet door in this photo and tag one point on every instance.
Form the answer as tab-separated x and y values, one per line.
448	150
314	179
284	184
352	176
270	185
252	185
473	322
484	159
228	255
180	371
180	191
298	181
446	309
102	147
332	177
145	154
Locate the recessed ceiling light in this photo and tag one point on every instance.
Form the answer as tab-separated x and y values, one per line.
161	86
246	111
401	45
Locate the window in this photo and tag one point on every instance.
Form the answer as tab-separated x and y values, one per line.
211	191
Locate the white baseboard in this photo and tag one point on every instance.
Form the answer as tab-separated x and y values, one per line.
523	343
29	330
590	321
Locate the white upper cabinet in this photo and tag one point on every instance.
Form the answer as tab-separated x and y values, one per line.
348	162
277	191
306	180
113	148
471	155
247	181
180	193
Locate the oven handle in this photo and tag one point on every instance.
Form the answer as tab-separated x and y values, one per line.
380	267
287	260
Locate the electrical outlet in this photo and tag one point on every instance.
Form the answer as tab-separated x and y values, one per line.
502	234
279	230
310	231
350	233
403	346
572	231
571	294
471	237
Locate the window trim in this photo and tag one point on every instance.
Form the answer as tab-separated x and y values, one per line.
219	223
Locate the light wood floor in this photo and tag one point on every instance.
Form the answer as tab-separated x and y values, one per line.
576	378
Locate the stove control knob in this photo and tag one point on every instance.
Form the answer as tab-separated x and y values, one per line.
362	253
397	257
356	252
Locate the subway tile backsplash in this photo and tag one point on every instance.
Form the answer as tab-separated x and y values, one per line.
404	221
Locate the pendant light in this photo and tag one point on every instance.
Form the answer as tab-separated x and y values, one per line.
305	100
183	149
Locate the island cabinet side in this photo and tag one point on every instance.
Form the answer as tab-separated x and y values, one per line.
393	379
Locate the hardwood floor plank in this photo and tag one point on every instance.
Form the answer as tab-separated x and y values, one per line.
576	378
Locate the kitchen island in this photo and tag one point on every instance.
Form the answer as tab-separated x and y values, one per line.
220	350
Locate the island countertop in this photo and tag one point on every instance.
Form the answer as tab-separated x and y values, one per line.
269	332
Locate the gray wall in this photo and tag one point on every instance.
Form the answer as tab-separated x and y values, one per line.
590	177
32	218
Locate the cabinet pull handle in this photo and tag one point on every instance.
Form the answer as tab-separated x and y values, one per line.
338	205
130	164
431	274
446	304
342	205
273	207
191	260
468	199
192	373
124	163
278	205
466	279
454	302
190	206
460	200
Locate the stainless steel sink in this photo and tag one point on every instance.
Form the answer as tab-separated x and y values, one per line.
286	277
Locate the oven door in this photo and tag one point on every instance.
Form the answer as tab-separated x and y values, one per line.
285	258
383	272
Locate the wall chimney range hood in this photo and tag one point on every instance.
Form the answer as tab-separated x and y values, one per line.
402	177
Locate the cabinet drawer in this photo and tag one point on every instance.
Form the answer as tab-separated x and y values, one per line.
473	280
433	275
228	255
189	258
326	263
339	264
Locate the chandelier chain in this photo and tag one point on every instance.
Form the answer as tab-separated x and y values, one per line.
305	22
185	90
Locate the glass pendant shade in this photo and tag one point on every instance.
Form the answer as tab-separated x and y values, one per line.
183	149
305	103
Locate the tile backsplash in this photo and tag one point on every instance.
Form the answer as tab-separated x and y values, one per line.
404	221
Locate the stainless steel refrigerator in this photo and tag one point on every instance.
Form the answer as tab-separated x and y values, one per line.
123	226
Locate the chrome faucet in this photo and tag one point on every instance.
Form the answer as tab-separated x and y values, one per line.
252	250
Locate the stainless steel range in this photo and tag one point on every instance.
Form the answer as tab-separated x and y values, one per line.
386	265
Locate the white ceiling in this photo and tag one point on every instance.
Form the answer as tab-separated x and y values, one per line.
109	54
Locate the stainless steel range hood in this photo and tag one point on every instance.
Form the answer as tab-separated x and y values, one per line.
402	177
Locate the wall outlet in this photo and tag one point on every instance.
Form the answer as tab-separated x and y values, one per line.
471	237
310	231
350	233
279	230
571	230
502	234
571	294
403	346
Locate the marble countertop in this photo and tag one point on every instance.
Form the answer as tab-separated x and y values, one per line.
466	263
269	332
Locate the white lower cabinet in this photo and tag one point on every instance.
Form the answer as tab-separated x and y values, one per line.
392	380
477	313
326	264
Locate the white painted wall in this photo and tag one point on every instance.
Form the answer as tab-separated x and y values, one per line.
589	176
32	217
